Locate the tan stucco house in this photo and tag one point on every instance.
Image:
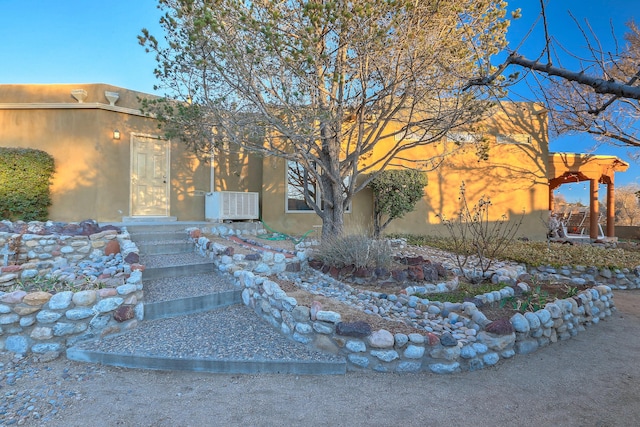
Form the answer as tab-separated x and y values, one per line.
113	164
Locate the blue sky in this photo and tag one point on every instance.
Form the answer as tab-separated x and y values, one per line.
94	41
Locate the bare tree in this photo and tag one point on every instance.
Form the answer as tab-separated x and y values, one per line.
627	205
600	98
321	83
612	119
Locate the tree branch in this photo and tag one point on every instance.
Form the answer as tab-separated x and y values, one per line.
599	85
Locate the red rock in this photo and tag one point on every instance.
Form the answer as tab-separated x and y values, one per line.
415	273
195	234
104	276
363	272
400	275
107	292
132	258
345	271
315	264
112	247
123	313
334	272
500	327
11	268
432	339
414	260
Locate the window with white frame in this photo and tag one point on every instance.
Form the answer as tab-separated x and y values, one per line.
513	138
297	178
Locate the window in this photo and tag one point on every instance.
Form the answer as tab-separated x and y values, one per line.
514	138
295	187
297	176
413	134
464	137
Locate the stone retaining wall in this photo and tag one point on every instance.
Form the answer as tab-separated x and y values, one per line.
264	262
47	322
30	255
465	339
592	276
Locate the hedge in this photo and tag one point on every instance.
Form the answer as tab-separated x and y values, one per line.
25	177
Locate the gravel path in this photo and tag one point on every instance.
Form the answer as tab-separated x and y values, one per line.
230	333
186	286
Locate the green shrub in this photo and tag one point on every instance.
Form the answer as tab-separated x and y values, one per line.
25	177
395	193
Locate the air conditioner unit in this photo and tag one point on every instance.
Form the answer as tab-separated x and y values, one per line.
230	205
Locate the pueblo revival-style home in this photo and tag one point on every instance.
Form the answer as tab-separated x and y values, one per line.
113	164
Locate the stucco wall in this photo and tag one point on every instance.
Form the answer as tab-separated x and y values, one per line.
92	179
514	176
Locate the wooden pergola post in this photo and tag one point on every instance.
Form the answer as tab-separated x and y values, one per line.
594	208
611	210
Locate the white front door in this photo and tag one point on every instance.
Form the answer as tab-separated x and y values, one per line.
149	176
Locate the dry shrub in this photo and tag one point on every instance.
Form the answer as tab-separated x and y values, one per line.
358	250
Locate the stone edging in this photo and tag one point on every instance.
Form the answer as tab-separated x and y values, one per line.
592	276
483	343
46	323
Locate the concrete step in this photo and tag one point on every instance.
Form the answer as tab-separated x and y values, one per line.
190	305
231	340
156	236
167	247
148	227
177	270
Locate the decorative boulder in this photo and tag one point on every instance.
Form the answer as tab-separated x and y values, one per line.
500	327
112	248
358	329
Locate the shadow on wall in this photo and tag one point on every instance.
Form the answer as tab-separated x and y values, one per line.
80	155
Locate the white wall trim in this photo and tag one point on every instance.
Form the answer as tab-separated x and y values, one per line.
67	105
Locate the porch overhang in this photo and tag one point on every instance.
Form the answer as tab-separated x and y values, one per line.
565	168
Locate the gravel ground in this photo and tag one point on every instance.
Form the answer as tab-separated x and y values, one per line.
589	380
186	286
33	391
230	333
163	260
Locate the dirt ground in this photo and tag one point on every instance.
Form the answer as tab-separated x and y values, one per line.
590	380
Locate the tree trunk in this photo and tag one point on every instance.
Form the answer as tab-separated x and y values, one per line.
377	219
333	209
